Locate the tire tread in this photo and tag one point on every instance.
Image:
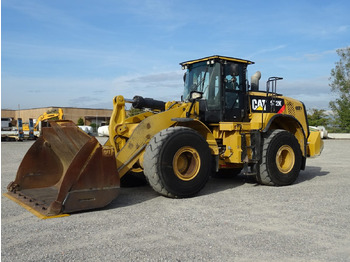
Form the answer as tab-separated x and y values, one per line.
264	177
151	158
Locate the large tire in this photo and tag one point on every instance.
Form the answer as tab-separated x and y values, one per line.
281	159
177	162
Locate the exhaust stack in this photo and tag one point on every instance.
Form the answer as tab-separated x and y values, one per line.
255	81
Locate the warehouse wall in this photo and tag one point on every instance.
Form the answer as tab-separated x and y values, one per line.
89	115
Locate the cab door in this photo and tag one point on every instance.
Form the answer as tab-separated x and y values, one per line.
234	90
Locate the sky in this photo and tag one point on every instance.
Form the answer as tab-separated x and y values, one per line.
82	53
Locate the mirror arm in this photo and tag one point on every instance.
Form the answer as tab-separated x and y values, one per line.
188	113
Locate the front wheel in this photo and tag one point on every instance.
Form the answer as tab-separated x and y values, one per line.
177	162
281	159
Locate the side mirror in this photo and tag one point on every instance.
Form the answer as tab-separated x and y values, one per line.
195	95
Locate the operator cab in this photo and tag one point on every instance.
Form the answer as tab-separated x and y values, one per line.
223	83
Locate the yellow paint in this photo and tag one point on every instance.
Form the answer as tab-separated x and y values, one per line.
314	144
217	57
233	151
32	210
285	159
186	163
145	130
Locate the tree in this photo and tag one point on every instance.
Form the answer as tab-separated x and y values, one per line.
318	117
340	85
80	122
94	126
134	111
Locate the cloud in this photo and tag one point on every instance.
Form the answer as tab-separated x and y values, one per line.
342	29
160	77
53	54
89	92
161	86
82	100
314	92
314	56
51	17
154	10
319	55
267	50
65	52
308	85
49	91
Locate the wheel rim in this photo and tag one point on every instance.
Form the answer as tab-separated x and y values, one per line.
186	163
285	159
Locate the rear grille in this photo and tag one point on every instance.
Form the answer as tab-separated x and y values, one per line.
290	108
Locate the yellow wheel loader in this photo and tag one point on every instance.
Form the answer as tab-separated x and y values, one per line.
222	123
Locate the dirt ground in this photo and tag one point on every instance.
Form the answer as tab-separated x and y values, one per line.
232	219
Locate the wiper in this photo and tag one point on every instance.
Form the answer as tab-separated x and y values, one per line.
200	86
203	80
201	83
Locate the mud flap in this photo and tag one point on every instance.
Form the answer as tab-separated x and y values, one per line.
65	171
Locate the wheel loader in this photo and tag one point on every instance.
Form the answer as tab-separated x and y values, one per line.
223	123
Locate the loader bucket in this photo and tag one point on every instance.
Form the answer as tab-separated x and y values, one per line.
65	171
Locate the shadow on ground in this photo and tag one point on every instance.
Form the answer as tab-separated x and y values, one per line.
217	184
135	195
132	196
310	173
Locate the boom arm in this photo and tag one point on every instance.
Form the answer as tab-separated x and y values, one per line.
47	116
132	150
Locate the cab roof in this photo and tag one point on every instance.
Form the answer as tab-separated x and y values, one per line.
214	57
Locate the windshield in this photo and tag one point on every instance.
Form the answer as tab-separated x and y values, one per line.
204	78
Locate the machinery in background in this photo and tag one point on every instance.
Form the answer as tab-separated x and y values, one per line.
103	131
9	132
322	129
87	129
55	115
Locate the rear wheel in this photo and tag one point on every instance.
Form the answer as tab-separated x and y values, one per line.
177	162
281	159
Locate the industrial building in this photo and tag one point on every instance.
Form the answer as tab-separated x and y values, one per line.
89	115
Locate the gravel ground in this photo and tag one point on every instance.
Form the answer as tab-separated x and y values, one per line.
232	219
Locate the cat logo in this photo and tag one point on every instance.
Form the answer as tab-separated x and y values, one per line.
267	104
259	104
